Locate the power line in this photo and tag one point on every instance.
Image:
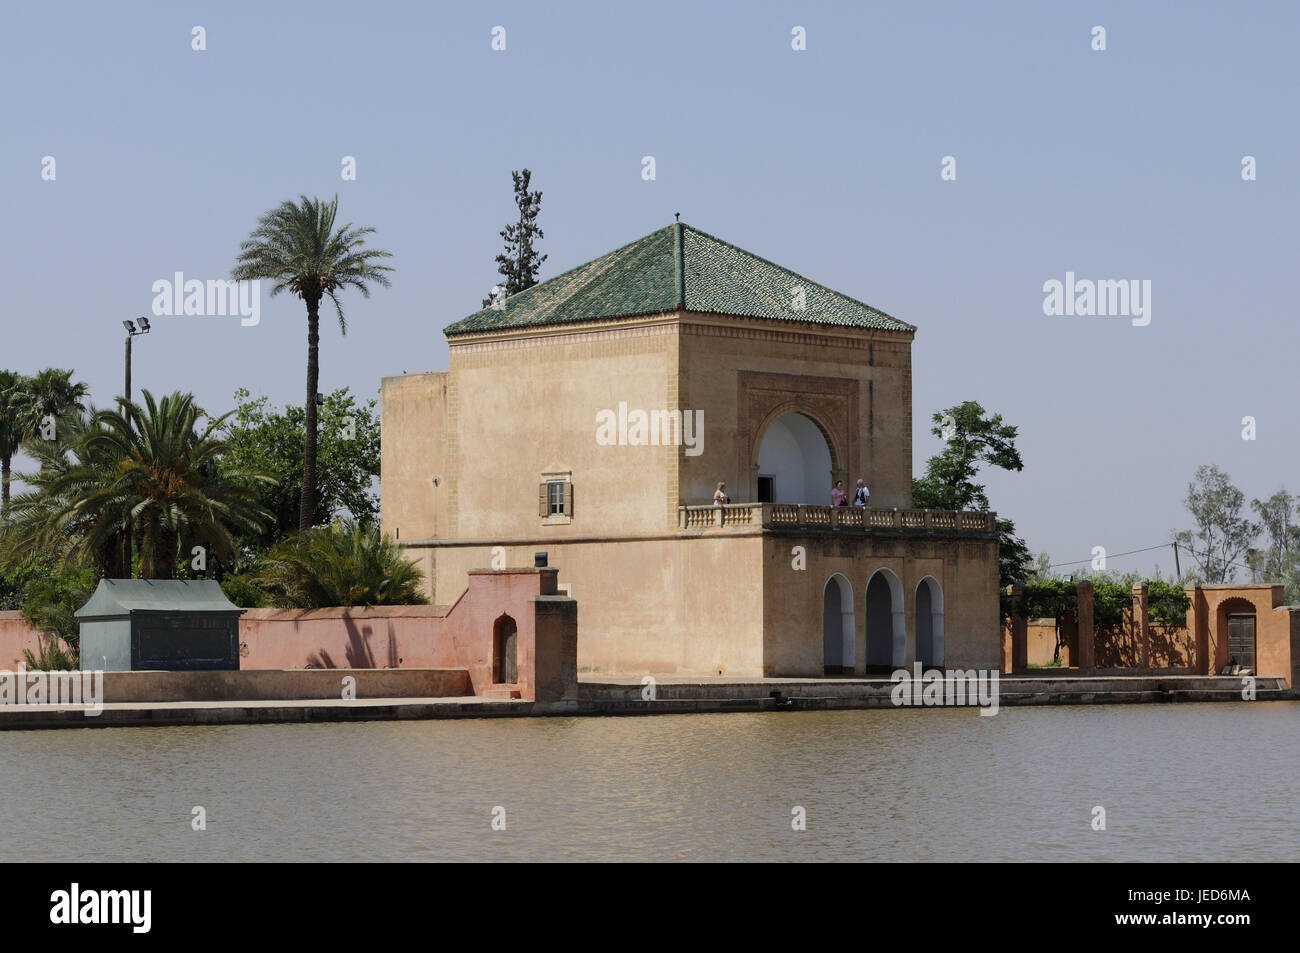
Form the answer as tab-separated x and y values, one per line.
1229	563
1112	555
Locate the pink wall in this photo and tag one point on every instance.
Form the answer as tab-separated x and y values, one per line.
16	635
457	636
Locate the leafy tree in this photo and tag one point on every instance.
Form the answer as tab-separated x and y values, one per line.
14	580
1013	554
298	248
242	589
344	564
145	472
1040	568
1167	603
262	439
974	439
1050	599
1279	517
1223	533
520	263
50	604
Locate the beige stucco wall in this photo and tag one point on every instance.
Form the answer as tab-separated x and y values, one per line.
412	452
857	385
524	406
967	572
665	606
512	408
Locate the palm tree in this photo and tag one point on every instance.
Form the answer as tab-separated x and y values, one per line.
344	564
52	393
148	472
11	436
25	402
298	248
48	518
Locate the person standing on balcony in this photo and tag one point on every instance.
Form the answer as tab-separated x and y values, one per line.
720	495
861	495
837	495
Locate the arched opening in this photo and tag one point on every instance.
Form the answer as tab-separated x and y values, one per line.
505	651
794	462
837	626
929	623
886	636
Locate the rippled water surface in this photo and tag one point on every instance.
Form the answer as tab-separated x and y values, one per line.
1178	782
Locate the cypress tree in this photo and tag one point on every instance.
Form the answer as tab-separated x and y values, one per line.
519	263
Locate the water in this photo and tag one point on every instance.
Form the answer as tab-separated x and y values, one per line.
1178	782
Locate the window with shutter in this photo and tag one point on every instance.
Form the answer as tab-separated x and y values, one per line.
555	497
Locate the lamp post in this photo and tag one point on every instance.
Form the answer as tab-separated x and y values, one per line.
131	332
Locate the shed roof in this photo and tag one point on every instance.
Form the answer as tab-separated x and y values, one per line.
119	597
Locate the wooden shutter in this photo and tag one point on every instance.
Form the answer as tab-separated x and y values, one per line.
568	500
541	500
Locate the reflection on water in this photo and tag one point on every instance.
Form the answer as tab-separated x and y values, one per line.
1179	782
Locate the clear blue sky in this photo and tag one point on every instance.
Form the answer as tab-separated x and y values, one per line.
1117	164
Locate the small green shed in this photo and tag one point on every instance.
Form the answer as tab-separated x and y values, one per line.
159	624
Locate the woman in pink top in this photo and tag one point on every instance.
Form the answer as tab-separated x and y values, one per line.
837	495
720	494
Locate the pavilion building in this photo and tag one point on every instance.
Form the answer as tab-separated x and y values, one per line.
592	416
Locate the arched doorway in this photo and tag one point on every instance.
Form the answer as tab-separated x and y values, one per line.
794	462
886	636
838	630
929	623
505	651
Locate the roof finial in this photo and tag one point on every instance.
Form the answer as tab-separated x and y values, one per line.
679	215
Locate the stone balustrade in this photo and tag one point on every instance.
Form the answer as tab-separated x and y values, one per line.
839	519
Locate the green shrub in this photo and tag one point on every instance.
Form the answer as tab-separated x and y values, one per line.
243	591
50	603
344	564
52	657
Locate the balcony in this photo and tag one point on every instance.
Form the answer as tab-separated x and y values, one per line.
836	519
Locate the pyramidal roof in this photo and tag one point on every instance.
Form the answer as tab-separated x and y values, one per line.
114	597
678	268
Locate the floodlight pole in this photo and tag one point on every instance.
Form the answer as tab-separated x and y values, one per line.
132	331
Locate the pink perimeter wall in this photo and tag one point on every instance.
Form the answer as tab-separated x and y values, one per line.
456	636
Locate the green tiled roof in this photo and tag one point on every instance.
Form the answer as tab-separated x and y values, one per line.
675	268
